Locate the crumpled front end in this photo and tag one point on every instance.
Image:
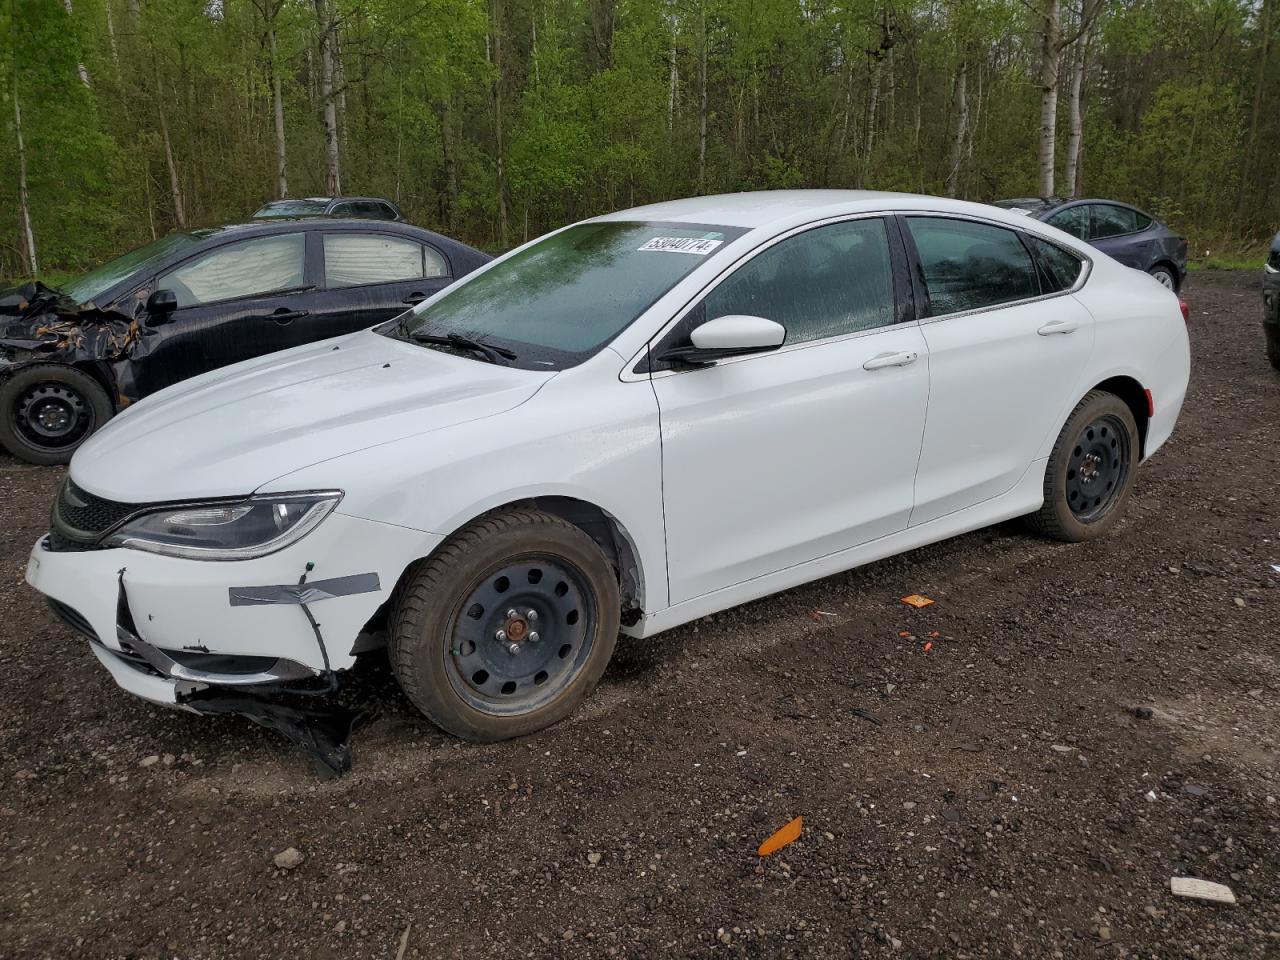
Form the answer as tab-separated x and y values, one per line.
40	325
242	636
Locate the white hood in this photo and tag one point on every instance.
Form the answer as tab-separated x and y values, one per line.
228	432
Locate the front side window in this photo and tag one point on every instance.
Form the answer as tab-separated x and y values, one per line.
970	265
371	210
1061	267
822	283
244	269
563	297
1073	220
351	259
1112	221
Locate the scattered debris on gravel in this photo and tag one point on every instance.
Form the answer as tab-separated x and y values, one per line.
987	799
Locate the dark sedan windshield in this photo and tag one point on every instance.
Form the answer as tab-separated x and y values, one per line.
98	281
565	296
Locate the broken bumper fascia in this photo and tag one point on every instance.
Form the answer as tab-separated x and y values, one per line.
176	611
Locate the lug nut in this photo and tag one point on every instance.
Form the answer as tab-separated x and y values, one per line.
500	636
511	614
513	649
531	616
533	637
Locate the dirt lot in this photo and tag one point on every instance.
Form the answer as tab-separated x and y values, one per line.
1091	721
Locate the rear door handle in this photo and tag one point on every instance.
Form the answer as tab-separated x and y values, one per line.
284	315
900	359
414	298
1057	326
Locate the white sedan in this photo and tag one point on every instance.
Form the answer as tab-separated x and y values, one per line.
627	424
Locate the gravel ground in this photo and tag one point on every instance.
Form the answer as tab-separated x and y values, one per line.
1090	721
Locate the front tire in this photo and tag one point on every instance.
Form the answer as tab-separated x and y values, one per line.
507	627
1091	470
1273	345
48	410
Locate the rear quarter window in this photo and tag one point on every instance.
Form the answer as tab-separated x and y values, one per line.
1060	268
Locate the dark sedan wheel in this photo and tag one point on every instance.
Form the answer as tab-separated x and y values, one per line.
1091	470
507	627
1165	276
1273	346
47	411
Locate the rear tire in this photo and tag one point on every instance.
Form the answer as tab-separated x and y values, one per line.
1273	346
1165	275
1091	470
47	410
520	579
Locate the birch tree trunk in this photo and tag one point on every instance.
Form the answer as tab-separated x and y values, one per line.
33	262
333	169
873	106
175	182
495	29
961	131
1081	49
702	98
80	67
1050	54
282	181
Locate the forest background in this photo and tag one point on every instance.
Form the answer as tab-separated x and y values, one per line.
496	120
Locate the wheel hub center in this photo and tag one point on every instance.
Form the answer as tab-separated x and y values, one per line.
52	416
517	629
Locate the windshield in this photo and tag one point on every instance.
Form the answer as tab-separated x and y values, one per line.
98	281
562	298
291	208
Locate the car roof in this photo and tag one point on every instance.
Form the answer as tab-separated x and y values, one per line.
780	208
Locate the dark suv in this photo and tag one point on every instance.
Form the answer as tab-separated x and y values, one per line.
1122	231
1271	302
366	208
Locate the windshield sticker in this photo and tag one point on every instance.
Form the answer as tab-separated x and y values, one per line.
699	248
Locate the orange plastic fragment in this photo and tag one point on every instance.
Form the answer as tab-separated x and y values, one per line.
788	834
916	600
928	646
934	633
904	633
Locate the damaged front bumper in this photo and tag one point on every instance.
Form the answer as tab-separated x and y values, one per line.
216	637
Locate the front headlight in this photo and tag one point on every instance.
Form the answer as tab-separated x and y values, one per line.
229	530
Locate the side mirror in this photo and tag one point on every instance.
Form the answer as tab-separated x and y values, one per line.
733	335
161	304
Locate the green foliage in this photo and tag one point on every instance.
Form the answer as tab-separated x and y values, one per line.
598	104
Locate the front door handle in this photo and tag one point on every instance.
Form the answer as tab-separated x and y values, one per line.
1057	326
900	359
285	315
414	298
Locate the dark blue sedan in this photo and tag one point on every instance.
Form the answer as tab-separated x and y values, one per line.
1119	230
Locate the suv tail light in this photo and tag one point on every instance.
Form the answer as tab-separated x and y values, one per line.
1186	311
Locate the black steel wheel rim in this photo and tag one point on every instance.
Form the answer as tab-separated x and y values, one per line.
51	415
1097	468
521	635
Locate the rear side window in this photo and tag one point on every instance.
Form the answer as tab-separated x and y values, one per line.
372	210
351	259
970	265
1061	267
1112	221
822	283
248	268
1073	220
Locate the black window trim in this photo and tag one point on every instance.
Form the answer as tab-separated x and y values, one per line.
639	367
322	277
917	269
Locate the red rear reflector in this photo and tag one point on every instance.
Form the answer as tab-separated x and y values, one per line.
1186	311
1151	403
